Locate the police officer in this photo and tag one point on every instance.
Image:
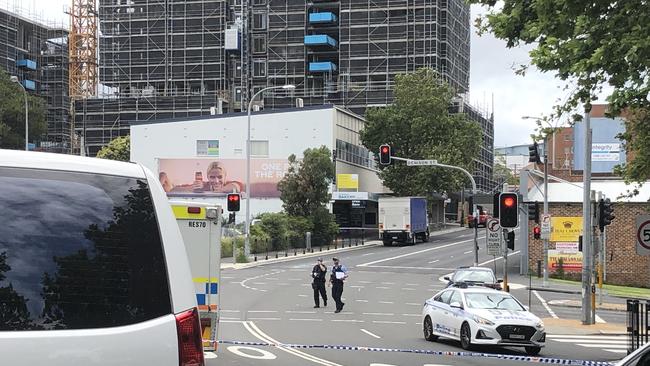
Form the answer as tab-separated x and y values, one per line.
339	274
318	284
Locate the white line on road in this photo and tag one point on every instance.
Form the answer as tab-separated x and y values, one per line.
416	315
425	268
361	300
408	289
609	342
382	288
364	281
379	314
370	333
600	320
262	311
368	254
413	253
296	279
258	283
357	286
437	260
548	308
387	322
229	311
388	283
412	284
228	318
264	319
272	278
306	320
414	304
594	337
348	321
243	282
497	258
299	312
302	295
386	302
283	284
469	251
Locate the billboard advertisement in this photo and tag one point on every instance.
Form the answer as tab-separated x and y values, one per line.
606	152
218	177
566	229
571	262
347	181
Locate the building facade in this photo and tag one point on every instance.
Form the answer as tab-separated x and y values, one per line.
38	55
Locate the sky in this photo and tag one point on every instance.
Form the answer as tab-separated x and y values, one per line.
491	76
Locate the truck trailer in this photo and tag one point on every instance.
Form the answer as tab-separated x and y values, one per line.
403	220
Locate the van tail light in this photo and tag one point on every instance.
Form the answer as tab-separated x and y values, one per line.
381	226
190	344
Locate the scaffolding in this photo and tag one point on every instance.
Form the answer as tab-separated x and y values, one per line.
37	53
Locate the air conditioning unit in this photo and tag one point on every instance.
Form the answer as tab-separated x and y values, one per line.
299	103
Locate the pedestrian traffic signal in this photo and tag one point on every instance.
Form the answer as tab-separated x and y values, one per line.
508	215
533	212
511	240
537	232
605	213
533	153
234	199
231	218
384	154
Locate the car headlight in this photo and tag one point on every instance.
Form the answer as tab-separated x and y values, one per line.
483	321
540	325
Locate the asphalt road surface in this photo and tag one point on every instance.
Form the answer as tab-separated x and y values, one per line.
383	299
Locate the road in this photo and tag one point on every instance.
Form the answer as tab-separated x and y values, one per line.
384	295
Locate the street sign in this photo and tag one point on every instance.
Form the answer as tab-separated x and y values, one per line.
421	162
493	237
643	235
546	226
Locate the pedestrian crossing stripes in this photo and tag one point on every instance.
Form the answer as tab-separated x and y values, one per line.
609	343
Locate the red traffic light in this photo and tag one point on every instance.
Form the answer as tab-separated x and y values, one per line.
508	210
384	149
233	197
537	232
509	202
384	154
233	202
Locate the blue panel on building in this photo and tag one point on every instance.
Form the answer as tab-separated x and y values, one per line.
320	40
29	64
607	151
322	67
322	18
29	84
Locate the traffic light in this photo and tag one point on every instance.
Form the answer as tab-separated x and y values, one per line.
511	240
384	154
231	218
605	213
537	232
234	199
533	153
533	212
508	215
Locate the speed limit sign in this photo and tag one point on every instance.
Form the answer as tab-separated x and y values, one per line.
643	235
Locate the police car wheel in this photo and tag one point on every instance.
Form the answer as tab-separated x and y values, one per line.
533	351
466	337
428	330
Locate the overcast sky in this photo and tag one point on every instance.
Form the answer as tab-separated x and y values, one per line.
491	74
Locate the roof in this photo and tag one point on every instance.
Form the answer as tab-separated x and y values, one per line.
242	114
573	192
64	162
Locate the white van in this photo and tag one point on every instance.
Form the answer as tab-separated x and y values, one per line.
93	270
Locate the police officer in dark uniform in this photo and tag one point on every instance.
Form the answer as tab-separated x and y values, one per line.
318	274
339	274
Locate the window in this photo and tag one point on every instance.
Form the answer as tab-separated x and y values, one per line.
259	68
259	21
259	43
73	248
444	297
455	297
260	149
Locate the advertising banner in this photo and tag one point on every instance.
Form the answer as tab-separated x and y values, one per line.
571	262
565	247
218	177
347	181
566	229
606	152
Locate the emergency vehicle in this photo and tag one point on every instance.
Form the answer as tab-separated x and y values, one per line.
200	226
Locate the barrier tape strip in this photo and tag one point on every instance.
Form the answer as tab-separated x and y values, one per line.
546	360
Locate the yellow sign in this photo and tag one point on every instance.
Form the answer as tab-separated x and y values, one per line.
571	262
347	181
566	229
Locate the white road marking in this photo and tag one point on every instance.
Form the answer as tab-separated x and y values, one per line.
548	308
363	255
299	312
244	285
424	268
258	283
609	342
379	314
262	311
382	288
600	345
263	354
437	260
348	321
229	311
370	333
302	295
361	300
272	278
593	337
357	286
413	304
468	252
228	318
621	351
388	283
387	322
264	319
416	315
306	320
364	281
209	355
408	289
412	284
227	277
386	302
413	253
497	258
599	319
295	279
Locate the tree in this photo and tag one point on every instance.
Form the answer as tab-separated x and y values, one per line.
118	149
502	174
12	115
418	125
589	44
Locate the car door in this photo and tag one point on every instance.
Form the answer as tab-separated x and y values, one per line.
439	312
456	315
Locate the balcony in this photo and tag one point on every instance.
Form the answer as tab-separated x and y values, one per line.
320	40
27	64
322	18
322	67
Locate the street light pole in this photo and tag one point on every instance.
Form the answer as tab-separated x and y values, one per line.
248	164
15	80
545	259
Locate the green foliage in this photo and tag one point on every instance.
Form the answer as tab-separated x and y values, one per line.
12	115
226	247
118	149
502	173
275	226
589	44
305	186
637	142
325	227
418	125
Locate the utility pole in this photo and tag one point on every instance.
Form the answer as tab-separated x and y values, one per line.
545	259
586	226
523	229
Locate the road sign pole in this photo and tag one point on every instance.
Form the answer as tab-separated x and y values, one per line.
504	240
545	251
586	226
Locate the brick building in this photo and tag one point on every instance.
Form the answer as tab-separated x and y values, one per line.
623	265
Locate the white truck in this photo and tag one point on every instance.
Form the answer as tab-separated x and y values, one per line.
200	226
403	220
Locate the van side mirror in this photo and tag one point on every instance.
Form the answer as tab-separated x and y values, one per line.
446	278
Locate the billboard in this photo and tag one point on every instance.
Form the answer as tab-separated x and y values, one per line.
347	181
566	229
606	152
571	262
218	177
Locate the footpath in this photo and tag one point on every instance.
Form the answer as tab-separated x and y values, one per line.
228	263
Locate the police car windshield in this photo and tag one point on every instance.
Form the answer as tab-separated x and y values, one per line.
492	301
473	276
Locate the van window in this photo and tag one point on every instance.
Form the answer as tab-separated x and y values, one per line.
78	251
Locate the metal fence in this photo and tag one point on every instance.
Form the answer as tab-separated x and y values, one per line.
637	324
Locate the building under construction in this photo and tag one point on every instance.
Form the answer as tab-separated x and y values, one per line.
38	55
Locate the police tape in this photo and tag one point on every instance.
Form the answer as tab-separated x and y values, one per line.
532	359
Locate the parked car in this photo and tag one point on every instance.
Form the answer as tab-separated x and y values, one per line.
483	217
93	270
482	316
475	276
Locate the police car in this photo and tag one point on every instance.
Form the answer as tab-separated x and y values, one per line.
477	315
